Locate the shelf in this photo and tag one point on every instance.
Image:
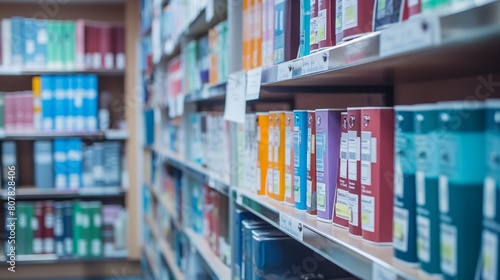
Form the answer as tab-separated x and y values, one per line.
166	251
169	205
213	180
112	134
66	2
196	28
208	92
353	254
91	192
17	71
218	268
455	45
151	261
54	259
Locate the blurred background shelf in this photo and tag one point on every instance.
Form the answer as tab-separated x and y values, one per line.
92	192
114	134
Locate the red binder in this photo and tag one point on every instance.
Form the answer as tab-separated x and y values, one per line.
377	169
38	228
353	168
341	213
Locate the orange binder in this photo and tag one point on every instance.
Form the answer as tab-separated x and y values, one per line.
257	32
271	155
212	45
263	142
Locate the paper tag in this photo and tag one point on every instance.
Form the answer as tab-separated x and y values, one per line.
288	146
254	78
284	71
368	213
343	155
235	107
353	208
109	61
419	32
353	147
400	229
321	196
342	204
269	181
291	227
443	194
309	193
276	181
209	10
179	100
489	197
449	249
382	273
424	239
489	255
349	15
322	27
420	186
288	185
30	46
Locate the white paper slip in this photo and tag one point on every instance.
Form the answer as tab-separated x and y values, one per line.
419	32
179	100
209	10
235	107
254	77
291	226
285	71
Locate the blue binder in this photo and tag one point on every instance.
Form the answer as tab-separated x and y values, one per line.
300	158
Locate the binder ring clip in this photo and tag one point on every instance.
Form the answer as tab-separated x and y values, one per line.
366	120
352	120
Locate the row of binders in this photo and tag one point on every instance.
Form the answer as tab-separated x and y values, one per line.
54	44
62	103
69	164
68	229
278	31
399	176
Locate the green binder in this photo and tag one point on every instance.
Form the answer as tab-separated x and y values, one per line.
95	230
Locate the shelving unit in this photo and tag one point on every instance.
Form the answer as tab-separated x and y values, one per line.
87	135
351	253
386	57
430	58
121	84
164	249
217	269
95	192
35	72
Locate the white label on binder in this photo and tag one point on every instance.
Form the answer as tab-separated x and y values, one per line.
291	226
489	206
